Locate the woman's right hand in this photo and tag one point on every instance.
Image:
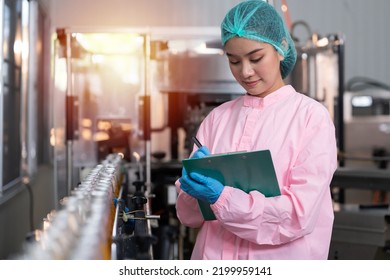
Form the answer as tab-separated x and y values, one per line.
199	153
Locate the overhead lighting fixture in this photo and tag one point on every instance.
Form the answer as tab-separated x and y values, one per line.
110	43
203	49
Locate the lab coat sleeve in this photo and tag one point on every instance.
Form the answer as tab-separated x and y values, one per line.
187	209
278	220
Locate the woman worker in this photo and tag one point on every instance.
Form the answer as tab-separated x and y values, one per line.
270	116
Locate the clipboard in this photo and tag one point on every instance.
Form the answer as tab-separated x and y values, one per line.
247	171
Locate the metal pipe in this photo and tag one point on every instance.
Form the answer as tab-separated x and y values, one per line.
1	96
340	107
147	126
340	111
69	141
25	74
114	250
32	138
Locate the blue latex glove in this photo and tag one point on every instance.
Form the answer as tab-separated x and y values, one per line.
201	187
199	153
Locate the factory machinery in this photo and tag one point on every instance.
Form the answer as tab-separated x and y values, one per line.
103	218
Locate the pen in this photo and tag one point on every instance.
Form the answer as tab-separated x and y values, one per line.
196	141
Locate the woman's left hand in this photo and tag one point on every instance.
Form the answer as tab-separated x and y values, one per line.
201	187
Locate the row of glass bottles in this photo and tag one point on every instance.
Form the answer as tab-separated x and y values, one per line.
81	228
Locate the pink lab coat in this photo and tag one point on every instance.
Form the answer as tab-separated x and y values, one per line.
296	225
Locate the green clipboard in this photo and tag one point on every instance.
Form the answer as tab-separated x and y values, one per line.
247	171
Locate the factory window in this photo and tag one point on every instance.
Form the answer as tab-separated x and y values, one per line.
11	93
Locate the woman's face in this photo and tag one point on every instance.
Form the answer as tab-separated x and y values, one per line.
255	65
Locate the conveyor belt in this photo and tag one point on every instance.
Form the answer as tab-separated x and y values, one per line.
372	179
81	229
360	233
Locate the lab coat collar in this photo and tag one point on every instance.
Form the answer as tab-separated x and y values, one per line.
261	102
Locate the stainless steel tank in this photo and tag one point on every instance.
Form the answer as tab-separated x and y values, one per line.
367	123
316	73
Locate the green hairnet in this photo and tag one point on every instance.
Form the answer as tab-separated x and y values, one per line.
257	20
